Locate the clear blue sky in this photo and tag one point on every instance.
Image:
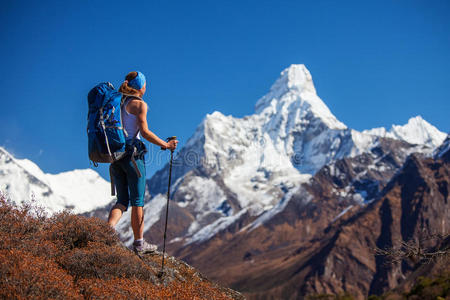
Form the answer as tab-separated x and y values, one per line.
374	63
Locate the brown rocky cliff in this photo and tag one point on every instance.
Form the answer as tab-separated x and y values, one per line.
414	204
277	261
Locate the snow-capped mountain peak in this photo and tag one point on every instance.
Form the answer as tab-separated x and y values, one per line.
295	77
419	131
293	95
416	131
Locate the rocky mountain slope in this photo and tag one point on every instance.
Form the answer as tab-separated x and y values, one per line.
341	257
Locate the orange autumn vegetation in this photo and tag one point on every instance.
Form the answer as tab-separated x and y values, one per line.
73	257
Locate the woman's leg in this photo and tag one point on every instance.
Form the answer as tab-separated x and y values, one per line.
121	184
137	222
137	193
115	214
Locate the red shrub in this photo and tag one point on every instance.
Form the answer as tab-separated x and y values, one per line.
105	262
69	231
123	288
73	257
26	276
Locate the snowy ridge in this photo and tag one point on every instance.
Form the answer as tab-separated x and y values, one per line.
416	131
342	213
80	190
207	232
295	87
268	214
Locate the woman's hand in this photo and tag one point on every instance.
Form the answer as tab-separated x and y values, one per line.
171	145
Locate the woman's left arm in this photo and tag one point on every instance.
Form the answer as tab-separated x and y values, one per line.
140	108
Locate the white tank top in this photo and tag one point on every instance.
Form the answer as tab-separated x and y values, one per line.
130	121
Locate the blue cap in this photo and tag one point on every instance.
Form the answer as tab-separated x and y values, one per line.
138	82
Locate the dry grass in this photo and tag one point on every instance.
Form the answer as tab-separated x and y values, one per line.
69	257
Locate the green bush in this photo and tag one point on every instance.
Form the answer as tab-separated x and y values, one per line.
431	288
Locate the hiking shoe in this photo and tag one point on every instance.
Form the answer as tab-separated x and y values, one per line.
141	247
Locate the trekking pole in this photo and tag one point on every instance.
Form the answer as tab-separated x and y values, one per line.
167	206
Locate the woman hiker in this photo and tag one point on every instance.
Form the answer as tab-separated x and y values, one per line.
130	187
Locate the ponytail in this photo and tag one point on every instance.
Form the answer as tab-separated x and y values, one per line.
125	88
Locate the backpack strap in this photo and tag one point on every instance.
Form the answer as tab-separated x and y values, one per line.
102	123
122	101
134	163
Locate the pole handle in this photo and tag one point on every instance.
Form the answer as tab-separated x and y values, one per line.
170	138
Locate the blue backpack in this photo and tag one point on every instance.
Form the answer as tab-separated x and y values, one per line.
106	134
